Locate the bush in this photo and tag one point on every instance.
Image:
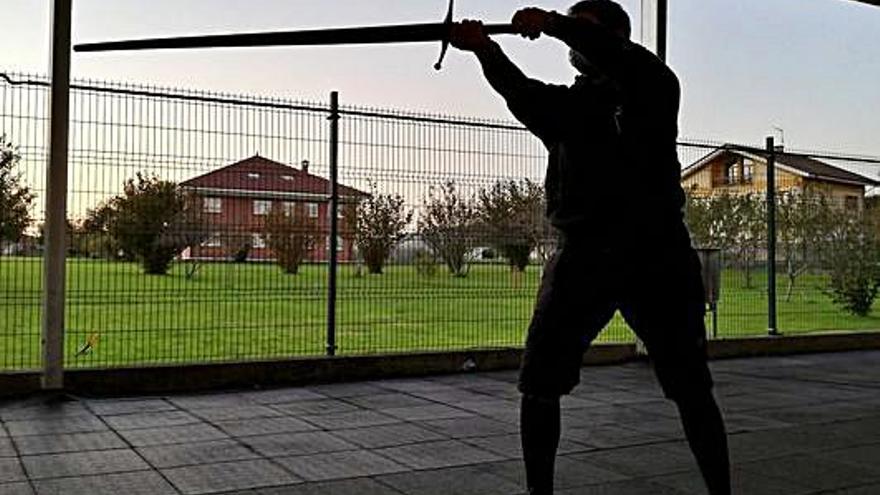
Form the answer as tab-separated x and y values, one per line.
152	221
853	261
448	225
854	292
291	235
378	223
512	219
140	221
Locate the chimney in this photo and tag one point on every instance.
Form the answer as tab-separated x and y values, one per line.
779	146
305	166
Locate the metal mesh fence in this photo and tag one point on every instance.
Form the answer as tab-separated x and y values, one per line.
825	226
228	197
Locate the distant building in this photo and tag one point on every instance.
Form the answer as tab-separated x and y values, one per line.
237	198
734	171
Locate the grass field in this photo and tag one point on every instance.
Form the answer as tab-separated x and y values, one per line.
253	311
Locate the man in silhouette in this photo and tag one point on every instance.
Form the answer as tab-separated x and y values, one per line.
613	193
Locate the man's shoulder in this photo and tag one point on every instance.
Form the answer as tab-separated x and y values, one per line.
641	53
649	61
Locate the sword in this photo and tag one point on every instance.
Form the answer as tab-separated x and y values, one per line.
401	33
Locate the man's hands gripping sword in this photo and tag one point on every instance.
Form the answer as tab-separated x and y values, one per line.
469	35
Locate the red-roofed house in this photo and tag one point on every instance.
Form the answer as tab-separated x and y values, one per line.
237	198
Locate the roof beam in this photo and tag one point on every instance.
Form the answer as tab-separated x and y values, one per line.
875	3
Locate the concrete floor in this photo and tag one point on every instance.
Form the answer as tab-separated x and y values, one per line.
798	425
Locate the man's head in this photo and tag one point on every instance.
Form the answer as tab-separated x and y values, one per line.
606	13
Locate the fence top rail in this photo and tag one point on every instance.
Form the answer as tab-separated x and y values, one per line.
712	146
130	89
14	79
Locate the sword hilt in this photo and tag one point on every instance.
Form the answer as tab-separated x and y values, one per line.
444	44
446	26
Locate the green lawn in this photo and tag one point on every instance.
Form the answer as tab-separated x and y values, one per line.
253	311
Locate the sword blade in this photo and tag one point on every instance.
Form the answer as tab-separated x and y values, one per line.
403	33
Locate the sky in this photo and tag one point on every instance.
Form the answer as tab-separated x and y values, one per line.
809	67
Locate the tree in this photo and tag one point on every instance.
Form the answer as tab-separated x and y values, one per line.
448	226
378	224
512	218
189	229
803	222
290	233
15	198
698	215
852	258
713	221
733	223
149	220
748	231
91	237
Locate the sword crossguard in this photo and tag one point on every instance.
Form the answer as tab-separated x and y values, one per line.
444	46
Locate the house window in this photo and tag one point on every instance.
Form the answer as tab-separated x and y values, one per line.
253	175
339	213
338	244
262	207
748	170
851	203
313	209
287	177
289	208
257	241
212	205
213	241
732	175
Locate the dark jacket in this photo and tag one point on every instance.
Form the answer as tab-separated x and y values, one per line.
613	174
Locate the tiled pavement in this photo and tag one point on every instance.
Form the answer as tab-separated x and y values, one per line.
805	424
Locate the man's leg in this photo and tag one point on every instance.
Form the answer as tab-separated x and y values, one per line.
666	308
539	431
704	429
568	315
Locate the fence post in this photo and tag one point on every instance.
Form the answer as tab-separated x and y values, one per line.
771	238
52	341
334	222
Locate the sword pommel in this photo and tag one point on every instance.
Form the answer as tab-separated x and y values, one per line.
444	47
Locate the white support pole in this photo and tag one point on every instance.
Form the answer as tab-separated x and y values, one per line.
56	200
654	26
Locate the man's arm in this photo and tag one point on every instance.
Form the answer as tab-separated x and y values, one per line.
632	67
602	47
536	104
